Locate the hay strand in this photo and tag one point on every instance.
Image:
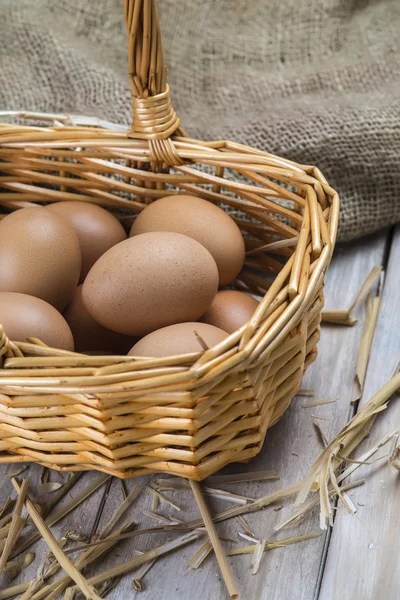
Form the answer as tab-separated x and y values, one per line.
129	500
345	316
88	591
15	526
215	541
162	497
342	445
272	545
320	402
200	555
145	557
242	477
56	516
364	350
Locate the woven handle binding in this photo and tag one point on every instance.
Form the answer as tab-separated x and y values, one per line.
153	116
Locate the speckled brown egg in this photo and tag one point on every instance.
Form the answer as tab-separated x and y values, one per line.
230	310
90	336
39	256
178	339
202	221
97	230
25	316
150	281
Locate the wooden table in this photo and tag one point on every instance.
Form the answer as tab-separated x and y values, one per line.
357	559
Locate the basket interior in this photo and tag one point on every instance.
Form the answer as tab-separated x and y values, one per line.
264	194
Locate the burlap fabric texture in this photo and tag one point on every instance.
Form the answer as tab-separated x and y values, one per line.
316	81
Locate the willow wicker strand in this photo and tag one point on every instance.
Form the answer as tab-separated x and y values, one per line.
187	415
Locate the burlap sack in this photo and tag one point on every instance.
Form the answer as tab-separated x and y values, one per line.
316	81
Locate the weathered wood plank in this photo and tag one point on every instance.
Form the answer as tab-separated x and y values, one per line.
364	555
291	447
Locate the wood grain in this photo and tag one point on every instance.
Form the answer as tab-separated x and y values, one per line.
291	446
364	555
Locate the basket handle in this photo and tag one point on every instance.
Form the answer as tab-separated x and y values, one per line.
153	116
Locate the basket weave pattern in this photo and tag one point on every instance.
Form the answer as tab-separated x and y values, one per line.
187	415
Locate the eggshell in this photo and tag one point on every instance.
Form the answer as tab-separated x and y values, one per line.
97	230
178	339
25	316
90	336
39	256
230	310
202	221
150	281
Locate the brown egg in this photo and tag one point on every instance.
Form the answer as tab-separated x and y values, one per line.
178	339
97	230
25	316
230	310
150	281
202	221
39	256
90	336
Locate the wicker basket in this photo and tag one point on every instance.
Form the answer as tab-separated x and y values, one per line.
187	415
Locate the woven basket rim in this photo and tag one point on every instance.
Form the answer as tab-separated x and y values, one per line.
74	123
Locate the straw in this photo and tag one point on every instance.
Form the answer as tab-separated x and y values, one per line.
129	500
345	316
272	545
200	555
162	497
141	572
320	402
245	525
342	445
88	557
242	477
56	516
366	344
15	526
144	558
88	590
215	541
258	554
